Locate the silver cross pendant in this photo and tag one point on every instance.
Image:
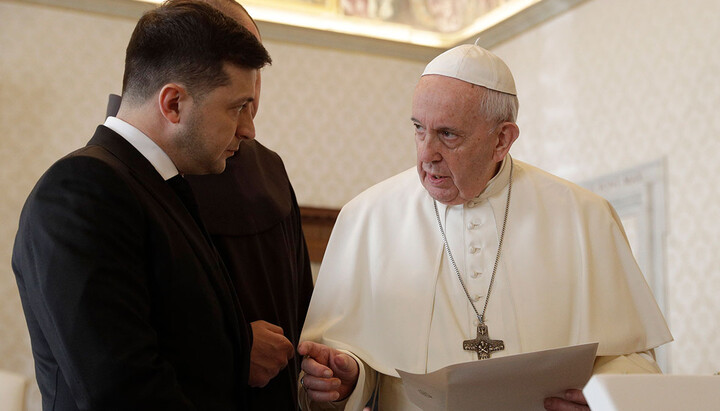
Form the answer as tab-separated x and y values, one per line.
482	344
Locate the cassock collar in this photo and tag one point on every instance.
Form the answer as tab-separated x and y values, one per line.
497	183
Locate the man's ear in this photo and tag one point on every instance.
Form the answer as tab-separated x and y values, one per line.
171	101
507	134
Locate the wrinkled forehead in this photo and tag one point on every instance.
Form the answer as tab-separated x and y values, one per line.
441	99
446	89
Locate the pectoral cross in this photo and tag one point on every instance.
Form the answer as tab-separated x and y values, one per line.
482	344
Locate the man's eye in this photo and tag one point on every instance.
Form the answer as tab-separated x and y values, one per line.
446	134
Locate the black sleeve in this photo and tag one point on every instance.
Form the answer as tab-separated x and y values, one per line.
304	268
81	252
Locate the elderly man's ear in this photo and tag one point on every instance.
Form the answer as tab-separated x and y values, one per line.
507	134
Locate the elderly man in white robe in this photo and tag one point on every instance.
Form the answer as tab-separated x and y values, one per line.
479	244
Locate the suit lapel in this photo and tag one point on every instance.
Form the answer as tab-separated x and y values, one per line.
144	172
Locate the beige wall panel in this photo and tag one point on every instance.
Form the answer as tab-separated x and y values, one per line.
606	86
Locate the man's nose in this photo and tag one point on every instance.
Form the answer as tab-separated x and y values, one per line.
245	127
428	150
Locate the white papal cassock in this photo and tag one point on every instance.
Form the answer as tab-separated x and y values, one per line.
387	294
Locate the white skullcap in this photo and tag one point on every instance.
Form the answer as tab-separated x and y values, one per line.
474	64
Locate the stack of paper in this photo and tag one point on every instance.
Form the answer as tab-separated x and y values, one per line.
516	382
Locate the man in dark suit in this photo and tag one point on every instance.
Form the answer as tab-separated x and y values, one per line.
127	302
253	218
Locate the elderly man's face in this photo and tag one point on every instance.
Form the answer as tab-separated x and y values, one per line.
456	145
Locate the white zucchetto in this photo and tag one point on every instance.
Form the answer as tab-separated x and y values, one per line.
474	64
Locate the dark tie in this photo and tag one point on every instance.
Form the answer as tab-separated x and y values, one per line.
183	190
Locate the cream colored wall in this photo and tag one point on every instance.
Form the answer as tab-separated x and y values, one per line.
56	68
340	120
616	83
332	111
606	86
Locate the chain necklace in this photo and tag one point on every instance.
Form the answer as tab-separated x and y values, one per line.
482	344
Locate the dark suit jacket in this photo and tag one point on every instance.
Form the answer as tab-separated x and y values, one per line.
128	305
254	219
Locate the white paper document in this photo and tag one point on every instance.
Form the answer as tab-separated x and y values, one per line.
516	382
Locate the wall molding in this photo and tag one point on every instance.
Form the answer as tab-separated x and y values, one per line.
488	38
638	196
317	225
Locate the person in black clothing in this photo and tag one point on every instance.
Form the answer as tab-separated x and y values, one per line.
252	215
127	302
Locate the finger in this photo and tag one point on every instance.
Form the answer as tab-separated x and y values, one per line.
302	348
287	347
344	362
273	361
323	396
321	389
575	396
315	369
258	378
559	404
305	347
344	367
319	352
268	326
276	344
311	382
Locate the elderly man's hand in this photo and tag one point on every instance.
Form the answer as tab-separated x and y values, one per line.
330	375
573	400
269	354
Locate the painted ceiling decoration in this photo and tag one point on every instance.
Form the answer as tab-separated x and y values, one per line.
430	23
417	29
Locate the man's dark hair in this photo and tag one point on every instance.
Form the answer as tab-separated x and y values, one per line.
187	42
226	6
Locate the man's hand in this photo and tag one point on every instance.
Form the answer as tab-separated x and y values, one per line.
330	375
573	400
269	354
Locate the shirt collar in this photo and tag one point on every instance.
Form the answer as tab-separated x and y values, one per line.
146	146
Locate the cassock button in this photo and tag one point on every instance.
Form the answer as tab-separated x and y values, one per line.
474	250
476	298
471	204
475	274
472	225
